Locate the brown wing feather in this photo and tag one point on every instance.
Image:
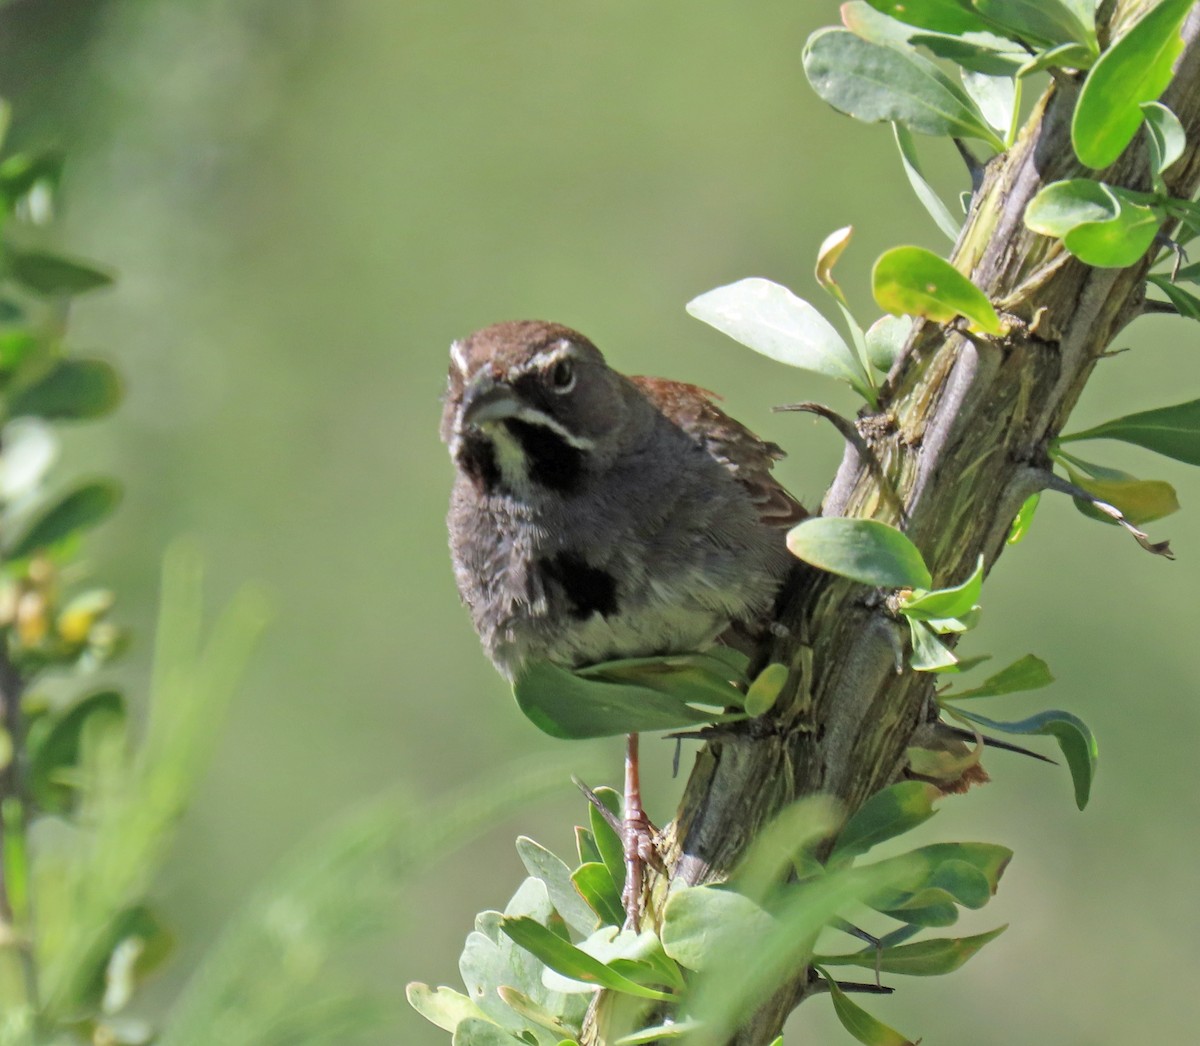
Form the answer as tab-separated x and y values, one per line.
747	457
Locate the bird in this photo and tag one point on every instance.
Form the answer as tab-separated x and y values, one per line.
596	516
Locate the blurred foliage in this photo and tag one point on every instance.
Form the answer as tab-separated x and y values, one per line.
307	202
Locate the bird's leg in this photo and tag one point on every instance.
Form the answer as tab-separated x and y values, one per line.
637	838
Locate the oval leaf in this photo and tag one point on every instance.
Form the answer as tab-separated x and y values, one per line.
1134	70
702	925
1061	206
885	340
861	549
766	688
1121	240
1166	134
1140	500
53	274
878	83
770	319
1173	431
73	390
83	507
916	282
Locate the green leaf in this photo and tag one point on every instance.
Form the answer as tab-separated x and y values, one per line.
1023	519
981	51
608	842
83	507
553	872
936	916
766	688
59	750
920	959
996	97
75	389
866	1029
532	1011
1185	303
929	654
1122	240
886	338
770	319
945	602
917	282
1101	225
564	958
52	274
475	1032
1166	136
675	1030
1134	70
699	678
1062	206
863	550
595	884
893	811
442	1006
1173	431
942	16
1026	673
1139	500
875	83
585	846
703	925
566	705
1077	742
22	171
925	192
1065	56
1046	22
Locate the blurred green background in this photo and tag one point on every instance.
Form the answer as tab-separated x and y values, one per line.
306	202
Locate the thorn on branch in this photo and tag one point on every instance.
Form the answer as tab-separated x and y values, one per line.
611	819
1050	481
857	986
851	435
974	166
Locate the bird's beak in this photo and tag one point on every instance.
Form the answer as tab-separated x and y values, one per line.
487	399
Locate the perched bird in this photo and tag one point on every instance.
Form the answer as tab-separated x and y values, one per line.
596	516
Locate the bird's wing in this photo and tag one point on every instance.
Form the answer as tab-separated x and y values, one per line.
747	457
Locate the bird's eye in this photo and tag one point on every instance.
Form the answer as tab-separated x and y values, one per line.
562	377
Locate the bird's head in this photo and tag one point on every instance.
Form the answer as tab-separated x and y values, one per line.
532	406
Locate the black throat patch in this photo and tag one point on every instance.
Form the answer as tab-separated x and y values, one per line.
591	590
477	458
552	461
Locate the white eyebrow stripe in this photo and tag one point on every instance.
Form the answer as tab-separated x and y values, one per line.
458	356
560	350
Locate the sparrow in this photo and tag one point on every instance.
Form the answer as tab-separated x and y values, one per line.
596	516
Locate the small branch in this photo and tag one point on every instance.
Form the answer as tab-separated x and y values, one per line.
1052	482
852	436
